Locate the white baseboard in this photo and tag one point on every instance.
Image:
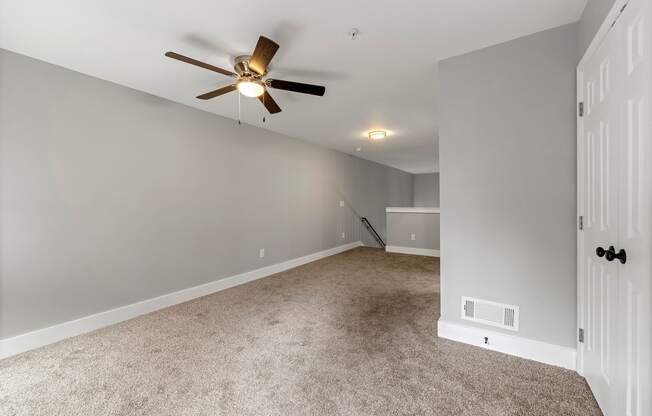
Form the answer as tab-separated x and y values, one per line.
509	344
41	337
412	250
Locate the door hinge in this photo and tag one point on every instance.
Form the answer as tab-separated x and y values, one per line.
580	223
580	109
580	335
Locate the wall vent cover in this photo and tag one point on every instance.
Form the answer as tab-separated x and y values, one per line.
490	313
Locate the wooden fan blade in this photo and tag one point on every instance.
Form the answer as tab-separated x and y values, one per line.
201	64
263	54
217	92
296	87
269	103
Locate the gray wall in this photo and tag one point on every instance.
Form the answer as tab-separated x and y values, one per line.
426	190
401	226
507	168
111	196
594	14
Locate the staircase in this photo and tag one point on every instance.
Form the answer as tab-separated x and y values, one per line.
373	232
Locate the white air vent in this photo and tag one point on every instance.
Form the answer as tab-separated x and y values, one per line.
490	313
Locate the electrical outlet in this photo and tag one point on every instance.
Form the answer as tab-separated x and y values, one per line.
343	235
341	204
261	253
413	236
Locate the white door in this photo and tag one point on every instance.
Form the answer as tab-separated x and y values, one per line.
615	199
633	39
600	145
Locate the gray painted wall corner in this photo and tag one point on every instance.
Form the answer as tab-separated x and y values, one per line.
507	157
426	190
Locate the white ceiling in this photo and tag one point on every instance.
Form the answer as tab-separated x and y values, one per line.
386	78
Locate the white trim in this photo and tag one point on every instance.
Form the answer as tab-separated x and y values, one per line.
41	337
604	29
509	344
412	250
580	206
579	365
413	210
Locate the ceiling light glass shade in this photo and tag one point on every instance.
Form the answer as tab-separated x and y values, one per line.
377	134
251	88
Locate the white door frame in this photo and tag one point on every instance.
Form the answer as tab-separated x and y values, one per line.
581	203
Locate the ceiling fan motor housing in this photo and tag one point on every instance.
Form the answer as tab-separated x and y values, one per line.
241	67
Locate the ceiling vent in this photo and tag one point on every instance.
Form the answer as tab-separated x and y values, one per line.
490	313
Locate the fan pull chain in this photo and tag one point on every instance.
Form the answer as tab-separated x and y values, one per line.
239	113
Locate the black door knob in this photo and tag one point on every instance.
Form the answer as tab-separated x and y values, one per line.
611	255
600	252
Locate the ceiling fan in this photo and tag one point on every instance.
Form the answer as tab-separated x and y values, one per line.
249	73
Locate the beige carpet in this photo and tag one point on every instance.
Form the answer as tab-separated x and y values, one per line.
353	334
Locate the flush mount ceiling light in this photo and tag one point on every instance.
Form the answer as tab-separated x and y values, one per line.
377	134
250	87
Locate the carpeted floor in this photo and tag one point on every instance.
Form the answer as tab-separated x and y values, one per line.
353	334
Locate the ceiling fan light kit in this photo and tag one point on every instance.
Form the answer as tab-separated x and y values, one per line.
249	73
377	134
250	87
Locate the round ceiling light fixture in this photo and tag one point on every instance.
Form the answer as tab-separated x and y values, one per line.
377	134
251	87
